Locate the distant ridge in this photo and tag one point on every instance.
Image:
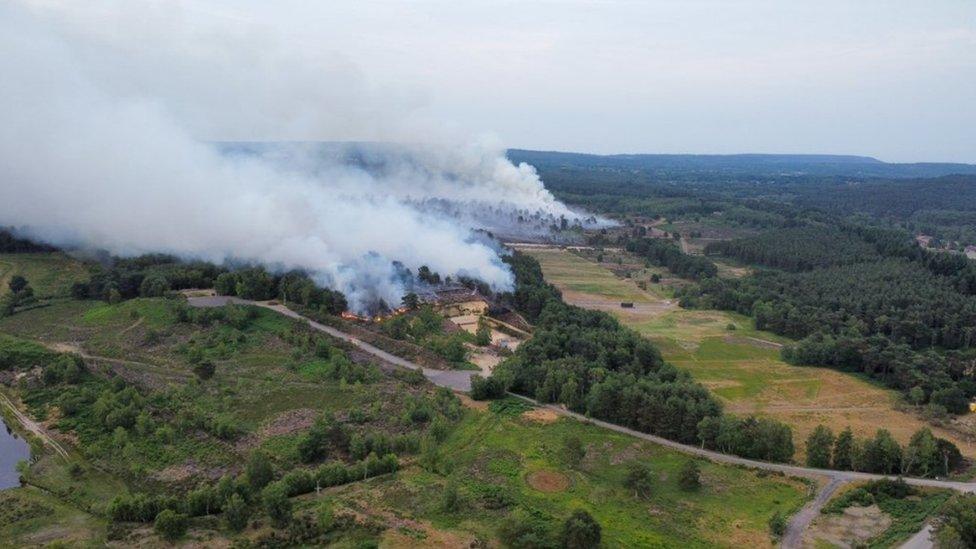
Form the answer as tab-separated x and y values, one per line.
742	164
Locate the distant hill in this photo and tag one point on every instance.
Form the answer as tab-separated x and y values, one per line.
740	164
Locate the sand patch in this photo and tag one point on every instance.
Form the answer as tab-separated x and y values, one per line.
540	415
549	482
468	402
851	528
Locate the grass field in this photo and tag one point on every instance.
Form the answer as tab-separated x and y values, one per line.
50	274
512	461
741	366
501	461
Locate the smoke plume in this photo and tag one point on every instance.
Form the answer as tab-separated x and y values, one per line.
108	128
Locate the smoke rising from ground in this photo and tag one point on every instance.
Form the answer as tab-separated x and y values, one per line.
106	141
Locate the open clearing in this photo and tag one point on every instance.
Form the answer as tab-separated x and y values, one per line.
500	459
50	274
742	366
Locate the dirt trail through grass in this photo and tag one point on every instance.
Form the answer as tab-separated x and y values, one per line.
33	427
742	366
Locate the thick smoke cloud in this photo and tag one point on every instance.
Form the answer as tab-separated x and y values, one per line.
106	141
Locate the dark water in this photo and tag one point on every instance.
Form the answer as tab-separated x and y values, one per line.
12	449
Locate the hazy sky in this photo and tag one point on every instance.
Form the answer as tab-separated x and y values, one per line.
891	79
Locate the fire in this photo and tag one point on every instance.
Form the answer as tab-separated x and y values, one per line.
348	315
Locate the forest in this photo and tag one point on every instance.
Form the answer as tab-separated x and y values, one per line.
838	265
589	362
822	247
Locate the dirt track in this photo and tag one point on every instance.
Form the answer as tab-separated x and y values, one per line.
33	427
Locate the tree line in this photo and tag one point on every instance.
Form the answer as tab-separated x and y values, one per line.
587	361
893	319
925	455
799	248
666	254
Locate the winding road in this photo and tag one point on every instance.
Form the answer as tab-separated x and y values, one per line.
461	381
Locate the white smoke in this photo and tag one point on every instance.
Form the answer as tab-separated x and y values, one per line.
104	123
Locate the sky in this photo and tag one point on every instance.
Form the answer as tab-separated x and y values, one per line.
891	79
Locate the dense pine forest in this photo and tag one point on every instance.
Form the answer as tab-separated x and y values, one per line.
836	261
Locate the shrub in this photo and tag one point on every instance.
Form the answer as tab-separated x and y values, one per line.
450	498
574	451
486	389
258	470
235	513
170	525
522	529
274	499
204	369
777	524
580	531
640	480
689	477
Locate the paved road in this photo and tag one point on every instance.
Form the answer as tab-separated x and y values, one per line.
921	540
799	523
461	381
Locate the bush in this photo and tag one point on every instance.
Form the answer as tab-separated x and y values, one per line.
580	531
640	479
689	478
525	530
959	522
574	451
235	513
258	470
170	525
450	498
486	389
274	499
204	369
777	524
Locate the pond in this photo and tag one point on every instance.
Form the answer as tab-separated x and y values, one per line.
12	449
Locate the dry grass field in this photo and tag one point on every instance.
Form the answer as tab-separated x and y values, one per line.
741	366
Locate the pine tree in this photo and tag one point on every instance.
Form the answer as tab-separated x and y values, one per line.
844	450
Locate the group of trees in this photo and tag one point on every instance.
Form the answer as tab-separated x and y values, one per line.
796	249
155	275
10	243
589	362
425	327
294	286
751	437
666	254
21	294
925	455
261	488
529	529
238	497
958	525
891	319
149	275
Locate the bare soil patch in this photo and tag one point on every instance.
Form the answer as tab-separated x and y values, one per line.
754	341
468	402
540	415
285	423
851	528
549	482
